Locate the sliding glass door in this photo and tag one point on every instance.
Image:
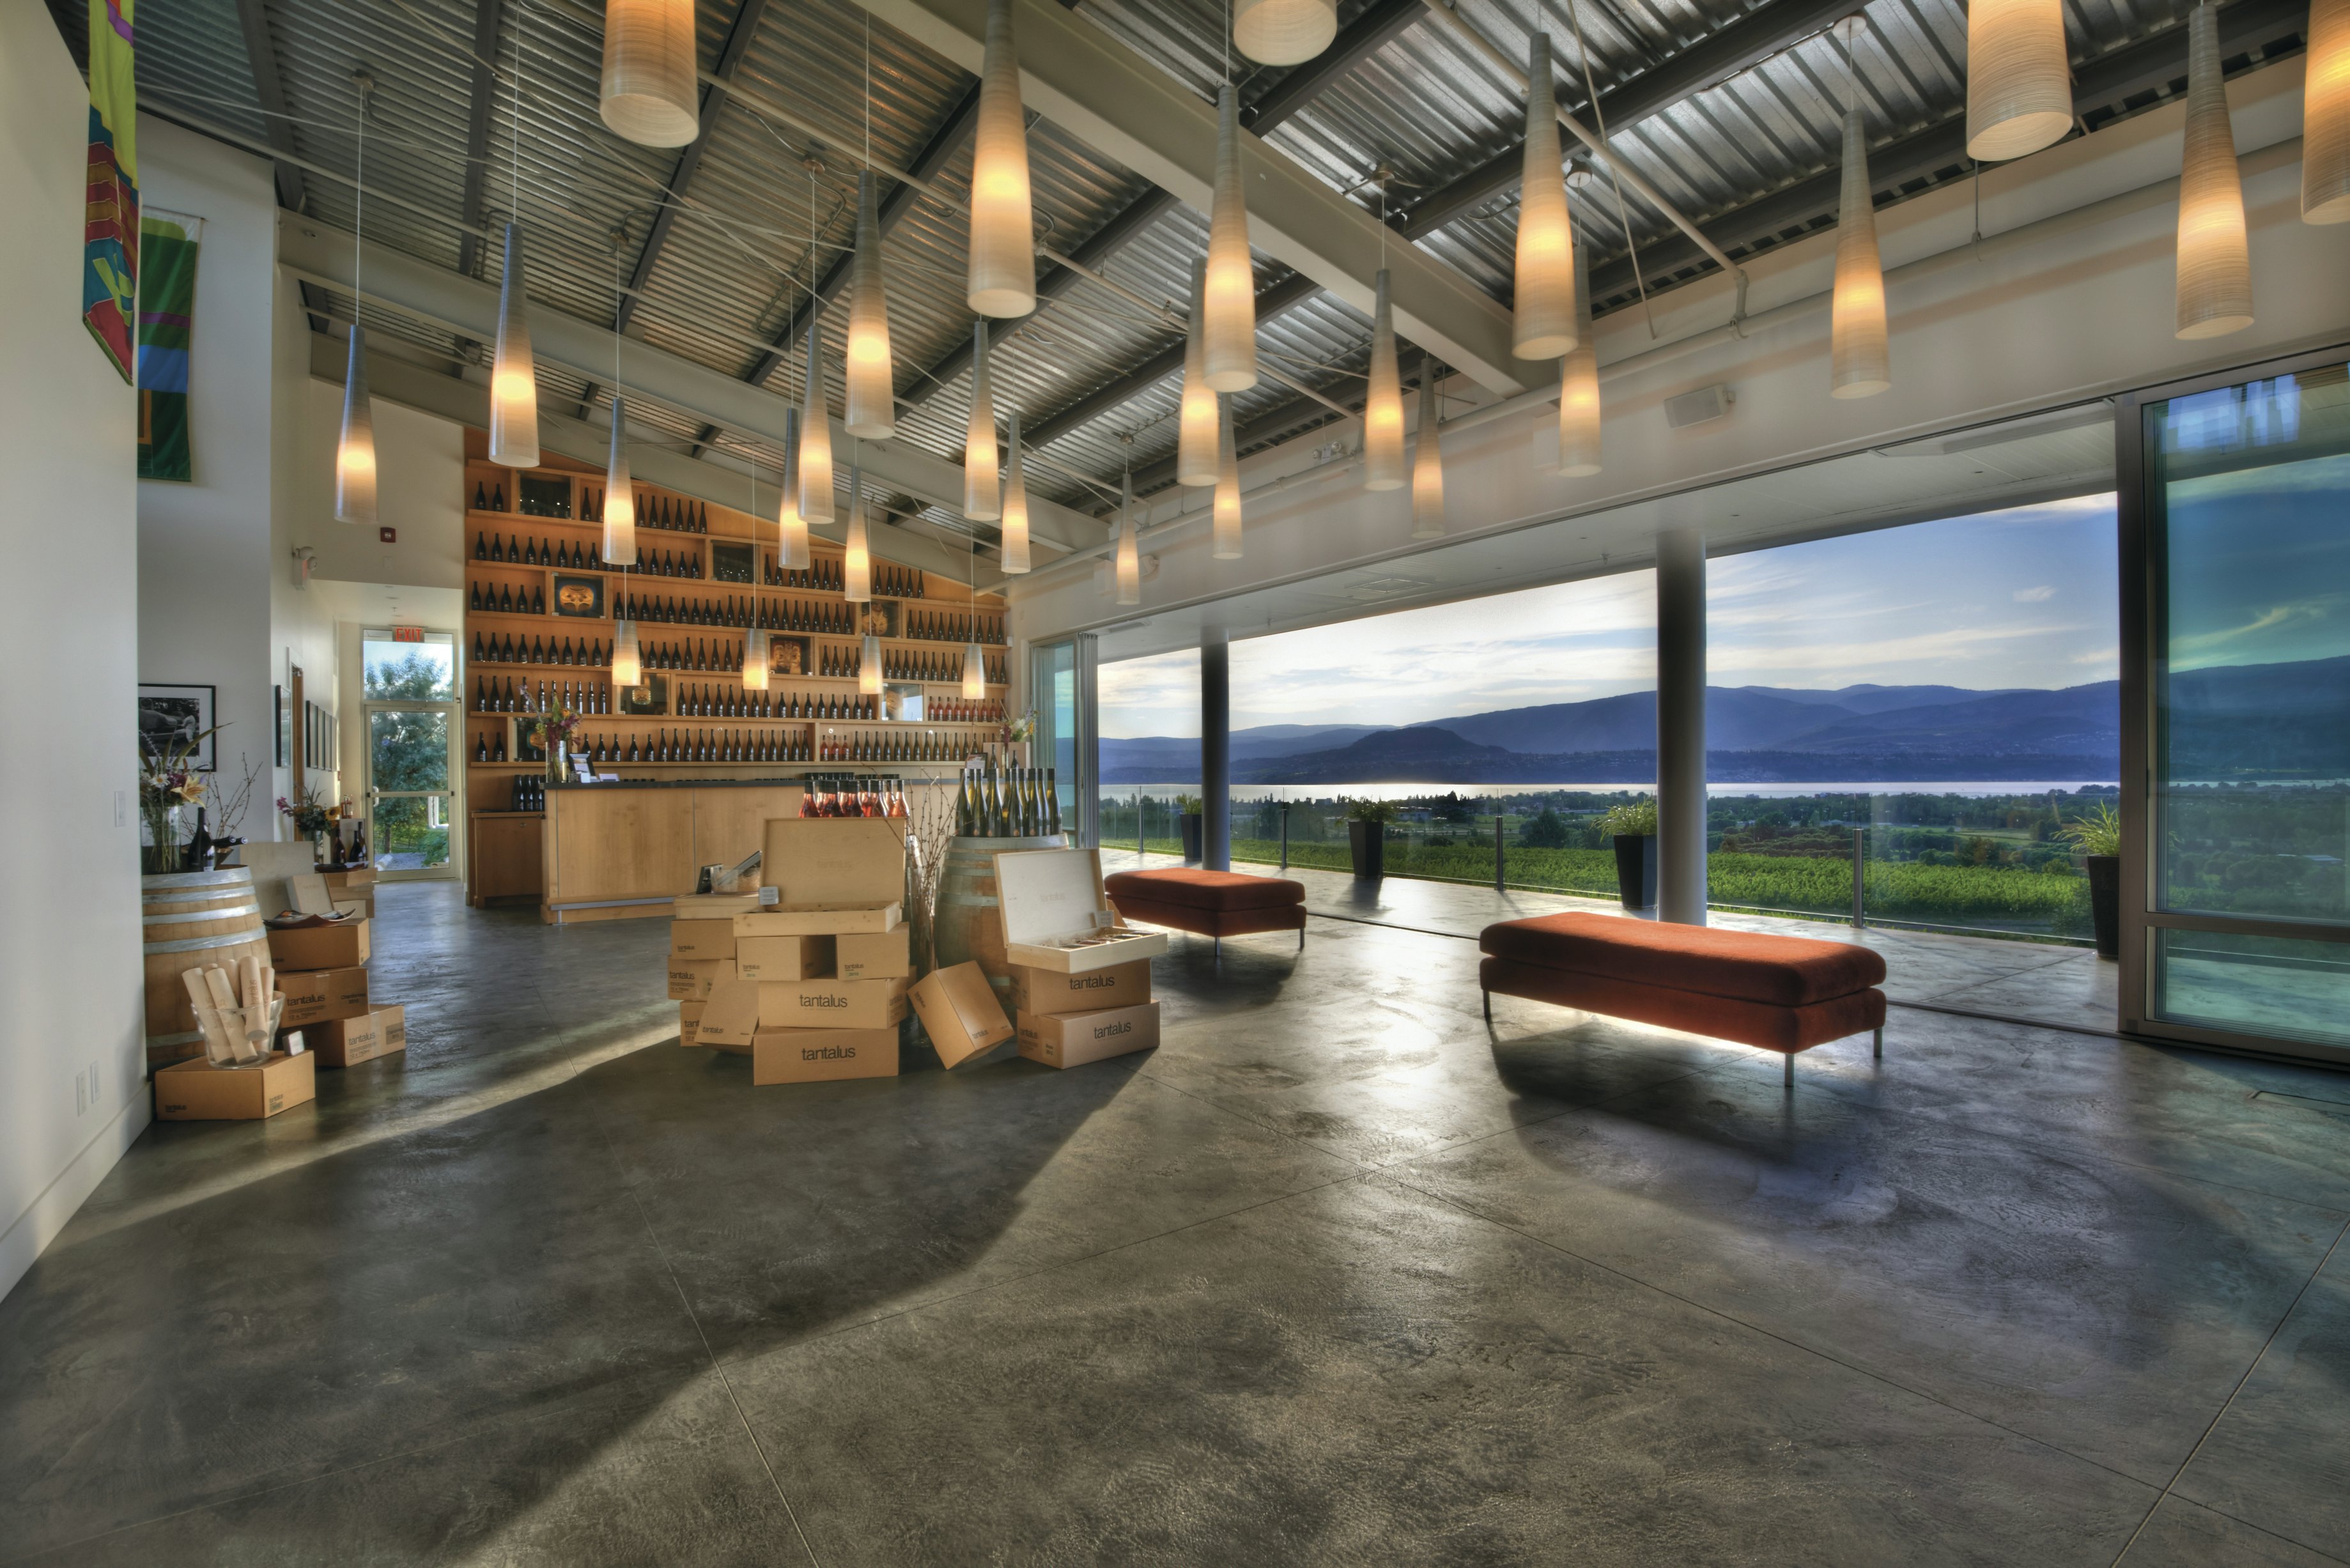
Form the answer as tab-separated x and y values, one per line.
2236	901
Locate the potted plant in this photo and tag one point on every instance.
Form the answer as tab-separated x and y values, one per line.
1633	827
1366	835
2098	837
1189	813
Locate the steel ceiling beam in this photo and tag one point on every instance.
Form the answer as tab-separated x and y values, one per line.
484	95
261	55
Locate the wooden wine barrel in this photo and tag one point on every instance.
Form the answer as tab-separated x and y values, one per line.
192	920
969	926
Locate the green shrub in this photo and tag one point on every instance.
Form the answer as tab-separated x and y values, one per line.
1635	819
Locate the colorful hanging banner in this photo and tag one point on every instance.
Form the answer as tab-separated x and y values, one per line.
168	243
110	287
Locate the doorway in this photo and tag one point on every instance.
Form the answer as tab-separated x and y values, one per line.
409	705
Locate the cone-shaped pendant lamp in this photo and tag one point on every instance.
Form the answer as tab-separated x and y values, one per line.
1003	277
651	84
620	546
792	545
1542	326
1383	467
1126	561
753	674
869	665
1859	364
983	500
1195	440
354	452
815	437
2215	262
857	565
755	659
1578	391
1015	508
514	384
2019	77
1229	315
1283	32
2325	116
627	668
1227	528
1427	465
871	412
974	673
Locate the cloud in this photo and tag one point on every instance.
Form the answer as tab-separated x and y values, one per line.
2040	595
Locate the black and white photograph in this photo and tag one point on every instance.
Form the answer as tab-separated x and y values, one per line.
170	716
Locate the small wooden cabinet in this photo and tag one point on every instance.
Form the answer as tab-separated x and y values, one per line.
506	857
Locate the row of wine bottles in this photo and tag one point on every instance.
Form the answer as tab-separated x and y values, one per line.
826	574
529	794
1012	802
508	649
853	797
892	746
503	599
579	696
565	557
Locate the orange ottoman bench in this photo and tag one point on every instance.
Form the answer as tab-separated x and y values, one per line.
1216	904
1778	994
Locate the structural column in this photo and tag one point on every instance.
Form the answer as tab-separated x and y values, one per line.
1215	749
1680	726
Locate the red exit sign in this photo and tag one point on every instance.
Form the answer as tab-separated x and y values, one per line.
408	634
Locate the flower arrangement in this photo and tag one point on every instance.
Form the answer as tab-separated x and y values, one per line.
309	815
167	782
552	735
1022	730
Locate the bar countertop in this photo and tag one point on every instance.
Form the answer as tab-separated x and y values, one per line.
795	782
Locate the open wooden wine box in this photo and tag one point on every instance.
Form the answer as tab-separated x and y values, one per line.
1056	917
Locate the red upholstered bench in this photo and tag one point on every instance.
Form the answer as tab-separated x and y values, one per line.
1779	993
1216	904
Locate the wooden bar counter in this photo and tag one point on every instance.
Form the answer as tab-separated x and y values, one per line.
622	851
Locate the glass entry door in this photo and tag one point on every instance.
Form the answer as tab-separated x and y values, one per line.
412	730
2236	903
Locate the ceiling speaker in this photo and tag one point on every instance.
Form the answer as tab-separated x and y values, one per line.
1696	408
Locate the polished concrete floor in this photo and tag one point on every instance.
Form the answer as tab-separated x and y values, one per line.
1338	1275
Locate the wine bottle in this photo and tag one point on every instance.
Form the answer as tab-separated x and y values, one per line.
498	498
538	601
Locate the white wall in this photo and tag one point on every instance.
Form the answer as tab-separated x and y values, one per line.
70	992
301	629
421	462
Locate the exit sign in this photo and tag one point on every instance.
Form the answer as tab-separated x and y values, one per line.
408	634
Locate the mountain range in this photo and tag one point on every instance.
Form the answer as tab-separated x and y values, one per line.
2256	720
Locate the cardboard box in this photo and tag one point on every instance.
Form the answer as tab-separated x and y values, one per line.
874	955
1074	1039
348	1042
731	1016
812	1056
1045	990
831	1004
317	995
359	877
711	905
959	1010
689	1018
819	920
702	938
818	860
339	946
690	980
1056	917
784	958
199	1092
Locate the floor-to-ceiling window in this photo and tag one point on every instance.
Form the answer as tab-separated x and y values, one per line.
1053	700
2239	914
1150	752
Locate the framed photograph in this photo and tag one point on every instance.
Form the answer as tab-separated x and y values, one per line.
653	697
730	561
170	716
318	739
579	597
880	618
788	655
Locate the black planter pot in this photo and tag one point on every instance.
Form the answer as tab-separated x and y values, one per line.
1636	870
2105	902
1191	820
1369	840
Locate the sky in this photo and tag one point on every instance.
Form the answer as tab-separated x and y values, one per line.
2019	597
2259	566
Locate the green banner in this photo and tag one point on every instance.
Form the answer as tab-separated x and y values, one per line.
168	244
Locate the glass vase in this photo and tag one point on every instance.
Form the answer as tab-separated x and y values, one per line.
159	854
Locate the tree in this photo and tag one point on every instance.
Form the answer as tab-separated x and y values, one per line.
1544	832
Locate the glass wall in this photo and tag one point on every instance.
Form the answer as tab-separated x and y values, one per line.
2247	899
413	727
1053	699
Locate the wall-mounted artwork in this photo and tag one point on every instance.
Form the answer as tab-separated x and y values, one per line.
651	696
788	655
171	716
580	597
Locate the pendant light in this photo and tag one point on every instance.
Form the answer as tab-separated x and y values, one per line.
1128	559
792	540
1228	313
1227	529
974	665
815	437
981	499
1002	274
649	92
1195	439
1015	507
2325	116
1383	466
857	565
1542	323
619	544
2215	262
1859	363
514	382
355	447
1578	384
628	669
1427	463
869	665
2019	77
754	639
871	411
1283	32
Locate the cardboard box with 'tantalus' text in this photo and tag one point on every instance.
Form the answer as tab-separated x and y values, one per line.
348	1042
1046	990
812	1055
1074	1039
831	1004
197	1091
